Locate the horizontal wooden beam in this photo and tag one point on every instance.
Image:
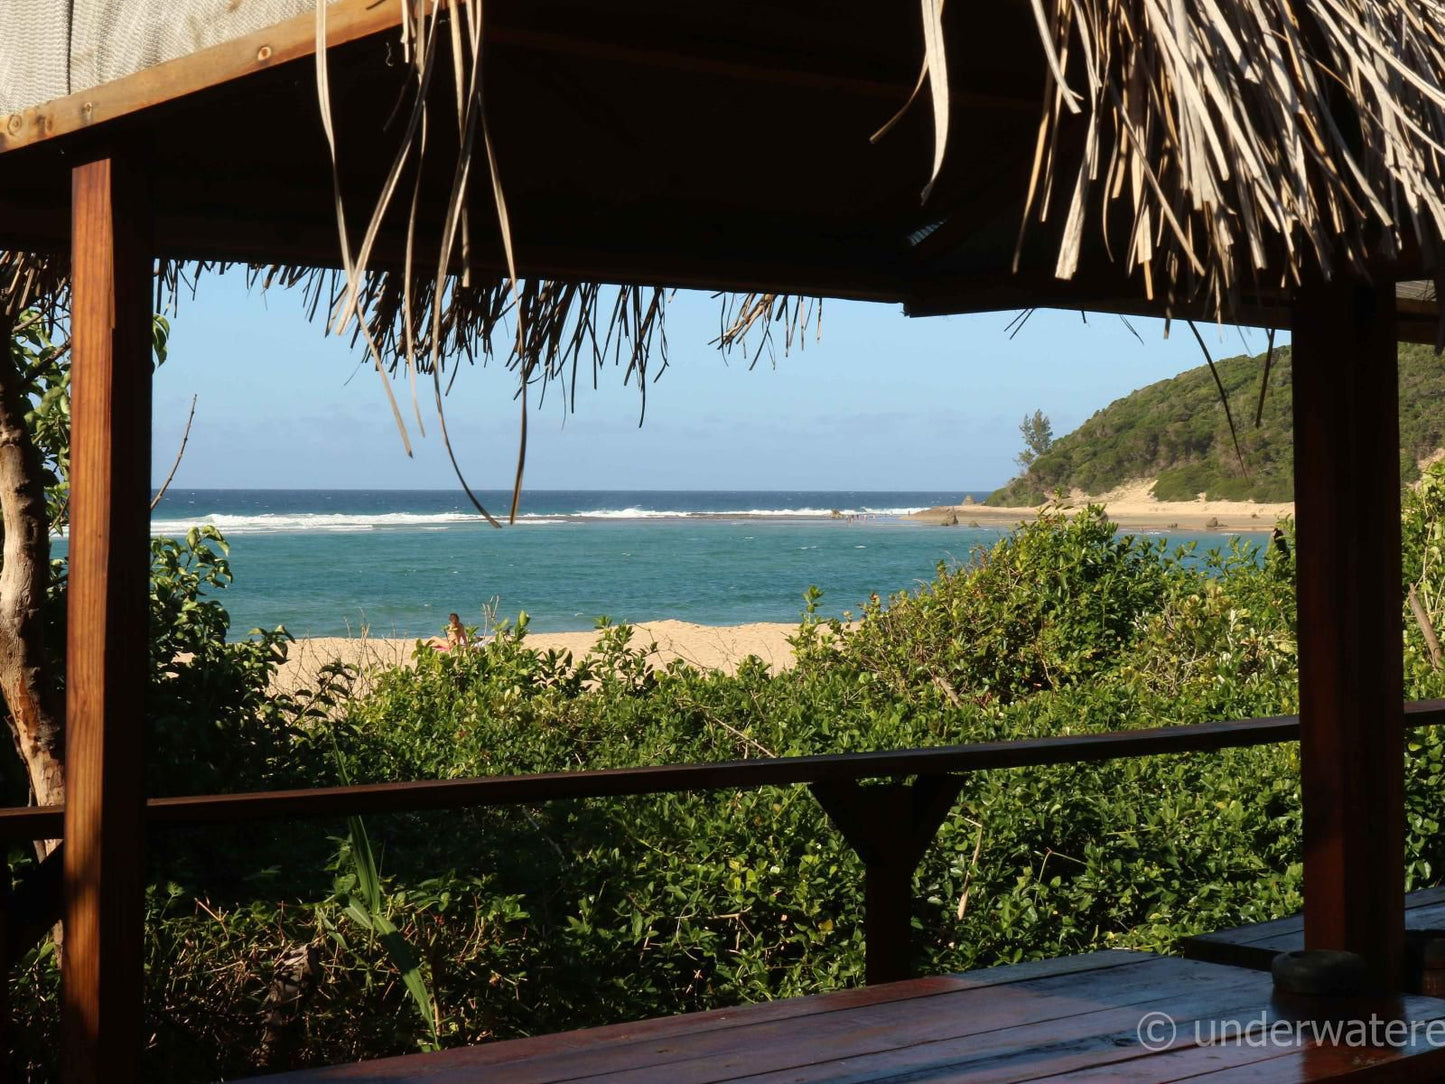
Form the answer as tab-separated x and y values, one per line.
1417	321
755	71
45	822
953	295
194	235
648	260
351	20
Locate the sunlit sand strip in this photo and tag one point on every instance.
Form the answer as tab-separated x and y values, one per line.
707	646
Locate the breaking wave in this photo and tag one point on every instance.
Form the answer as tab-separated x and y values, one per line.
277	522
341	522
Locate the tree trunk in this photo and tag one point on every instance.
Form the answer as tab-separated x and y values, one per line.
36	722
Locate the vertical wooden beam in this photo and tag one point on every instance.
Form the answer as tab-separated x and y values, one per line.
890	826
1347	507
108	613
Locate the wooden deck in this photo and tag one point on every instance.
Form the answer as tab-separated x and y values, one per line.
1077	1018
1257	945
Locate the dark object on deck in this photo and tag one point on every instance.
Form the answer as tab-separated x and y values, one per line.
1319	973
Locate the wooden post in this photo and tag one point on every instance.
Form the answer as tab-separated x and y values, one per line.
108	614
1347	505
890	826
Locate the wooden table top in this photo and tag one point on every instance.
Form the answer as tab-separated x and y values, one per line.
1077	1018
1257	945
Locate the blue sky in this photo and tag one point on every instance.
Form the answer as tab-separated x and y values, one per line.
881	402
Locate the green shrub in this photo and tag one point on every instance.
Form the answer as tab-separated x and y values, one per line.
519	920
1051	606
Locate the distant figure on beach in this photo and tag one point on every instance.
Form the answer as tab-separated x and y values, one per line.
456	635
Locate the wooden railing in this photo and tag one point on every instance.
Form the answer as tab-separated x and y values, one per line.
890	826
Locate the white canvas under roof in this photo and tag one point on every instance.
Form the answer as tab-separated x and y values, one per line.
51	48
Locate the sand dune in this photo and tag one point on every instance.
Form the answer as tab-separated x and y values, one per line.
1132	508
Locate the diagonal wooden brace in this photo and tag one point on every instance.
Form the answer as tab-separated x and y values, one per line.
33	907
27	913
890	826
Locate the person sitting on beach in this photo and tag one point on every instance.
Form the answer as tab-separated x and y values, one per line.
456	636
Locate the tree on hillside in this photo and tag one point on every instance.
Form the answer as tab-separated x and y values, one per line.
1038	434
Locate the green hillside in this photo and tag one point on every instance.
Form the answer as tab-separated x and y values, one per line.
1176	431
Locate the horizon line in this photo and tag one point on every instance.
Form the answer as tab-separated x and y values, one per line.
549	489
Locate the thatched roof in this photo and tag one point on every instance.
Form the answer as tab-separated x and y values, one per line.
1251	139
489	171
1196	146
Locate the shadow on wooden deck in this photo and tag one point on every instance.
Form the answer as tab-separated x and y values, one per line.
1108	1016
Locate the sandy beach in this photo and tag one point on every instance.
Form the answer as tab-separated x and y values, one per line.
1132	508
722	647
708	646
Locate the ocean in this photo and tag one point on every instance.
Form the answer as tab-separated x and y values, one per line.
395	563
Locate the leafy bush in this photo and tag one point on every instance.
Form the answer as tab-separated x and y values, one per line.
1055	604
514	920
215	724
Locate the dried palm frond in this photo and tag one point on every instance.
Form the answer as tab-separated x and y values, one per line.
1264	381
427	322
934	72
32	281
541	329
1246	135
743	315
1223	398
567	327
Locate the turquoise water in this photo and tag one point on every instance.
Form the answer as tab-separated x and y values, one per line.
335	562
